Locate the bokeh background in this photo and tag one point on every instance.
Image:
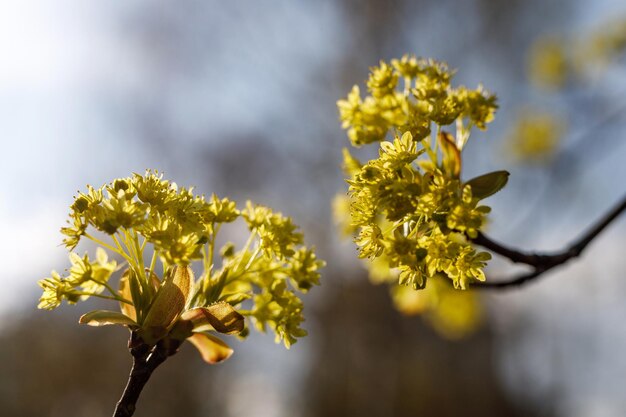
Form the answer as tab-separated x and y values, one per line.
238	98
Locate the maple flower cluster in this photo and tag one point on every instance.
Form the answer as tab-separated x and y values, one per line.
409	207
159	231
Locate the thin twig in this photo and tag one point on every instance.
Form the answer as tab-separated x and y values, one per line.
145	360
543	262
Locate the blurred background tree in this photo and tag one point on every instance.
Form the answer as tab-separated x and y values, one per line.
239	98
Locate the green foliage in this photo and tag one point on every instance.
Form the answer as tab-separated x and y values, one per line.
409	205
130	216
487	185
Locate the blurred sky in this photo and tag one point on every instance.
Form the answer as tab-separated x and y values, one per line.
93	90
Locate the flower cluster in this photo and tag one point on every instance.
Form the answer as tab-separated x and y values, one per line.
160	231
426	98
535	136
555	61
419	219
412	214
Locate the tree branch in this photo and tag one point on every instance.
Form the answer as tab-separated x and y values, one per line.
543	262
145	360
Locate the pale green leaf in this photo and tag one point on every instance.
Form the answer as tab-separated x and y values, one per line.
105	317
488	184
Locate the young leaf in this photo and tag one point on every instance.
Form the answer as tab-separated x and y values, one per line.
105	317
168	303
486	185
221	317
127	293
212	349
451	154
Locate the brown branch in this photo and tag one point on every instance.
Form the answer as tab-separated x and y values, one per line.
145	360
543	262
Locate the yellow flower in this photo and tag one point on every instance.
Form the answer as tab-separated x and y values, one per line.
147	220
535	136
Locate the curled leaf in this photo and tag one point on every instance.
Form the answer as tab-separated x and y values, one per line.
486	185
212	349
105	317
221	317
